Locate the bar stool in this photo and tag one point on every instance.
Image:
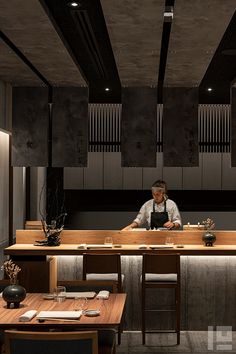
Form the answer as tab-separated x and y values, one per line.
104	267
161	271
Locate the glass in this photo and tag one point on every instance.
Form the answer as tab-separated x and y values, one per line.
169	241
81	304
108	241
60	293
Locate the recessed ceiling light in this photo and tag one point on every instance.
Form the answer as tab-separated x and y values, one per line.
107	89
73	4
209	89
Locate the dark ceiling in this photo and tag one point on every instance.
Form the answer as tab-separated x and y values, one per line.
113	44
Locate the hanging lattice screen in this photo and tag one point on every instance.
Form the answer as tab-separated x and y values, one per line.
213	127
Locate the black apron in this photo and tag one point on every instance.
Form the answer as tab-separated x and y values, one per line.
158	218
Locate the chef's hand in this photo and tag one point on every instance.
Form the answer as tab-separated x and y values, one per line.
130	227
169	225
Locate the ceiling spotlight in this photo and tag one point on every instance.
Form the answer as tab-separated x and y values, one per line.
107	89
209	89
73	4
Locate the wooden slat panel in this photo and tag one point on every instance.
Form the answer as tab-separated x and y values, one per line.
233	126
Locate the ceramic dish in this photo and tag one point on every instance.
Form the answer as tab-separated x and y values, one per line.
48	296
92	313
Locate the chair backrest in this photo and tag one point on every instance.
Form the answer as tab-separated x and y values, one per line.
161	263
23	342
102	264
88	285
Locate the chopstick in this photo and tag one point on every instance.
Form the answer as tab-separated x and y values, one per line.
57	319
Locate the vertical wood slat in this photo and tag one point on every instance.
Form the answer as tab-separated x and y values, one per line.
233	126
138	127
104	127
70	127
214	128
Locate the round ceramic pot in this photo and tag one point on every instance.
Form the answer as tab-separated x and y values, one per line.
14	294
208	238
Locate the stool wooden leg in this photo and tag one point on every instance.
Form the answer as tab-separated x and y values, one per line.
119	335
177	301
143	316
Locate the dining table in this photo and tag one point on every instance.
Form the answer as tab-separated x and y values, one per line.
108	312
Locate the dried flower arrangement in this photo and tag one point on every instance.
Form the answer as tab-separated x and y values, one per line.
208	224
11	270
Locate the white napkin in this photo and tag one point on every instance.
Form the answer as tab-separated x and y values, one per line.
80	294
103	294
75	315
27	316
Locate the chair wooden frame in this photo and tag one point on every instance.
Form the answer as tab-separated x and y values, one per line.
104	264
47	336
161	264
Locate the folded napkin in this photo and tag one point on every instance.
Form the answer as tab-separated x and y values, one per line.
80	294
75	315
27	316
103	294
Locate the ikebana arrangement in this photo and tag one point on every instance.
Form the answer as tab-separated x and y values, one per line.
52	231
208	238
12	270
14	293
208	224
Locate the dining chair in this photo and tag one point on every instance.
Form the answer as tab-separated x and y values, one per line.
106	268
161	271
25	342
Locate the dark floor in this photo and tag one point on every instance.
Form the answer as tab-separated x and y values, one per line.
191	342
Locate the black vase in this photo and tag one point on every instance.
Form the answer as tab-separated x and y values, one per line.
208	238
14	294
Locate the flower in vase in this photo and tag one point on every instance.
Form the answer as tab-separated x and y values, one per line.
208	224
12	270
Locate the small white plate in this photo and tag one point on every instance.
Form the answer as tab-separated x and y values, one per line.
48	296
91	313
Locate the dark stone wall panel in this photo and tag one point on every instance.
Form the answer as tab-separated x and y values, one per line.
30	126
70	127
180	127
233	126
138	127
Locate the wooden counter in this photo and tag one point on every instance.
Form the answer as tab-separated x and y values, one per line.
187	237
39	260
72	249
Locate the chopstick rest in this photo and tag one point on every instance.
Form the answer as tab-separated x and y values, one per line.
27	316
103	294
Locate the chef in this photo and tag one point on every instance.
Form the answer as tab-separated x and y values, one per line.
157	212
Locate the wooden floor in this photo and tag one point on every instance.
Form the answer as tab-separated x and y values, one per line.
191	342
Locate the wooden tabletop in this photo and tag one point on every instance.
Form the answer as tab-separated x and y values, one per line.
72	249
111	311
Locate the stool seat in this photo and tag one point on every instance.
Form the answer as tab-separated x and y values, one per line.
106	276
149	277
